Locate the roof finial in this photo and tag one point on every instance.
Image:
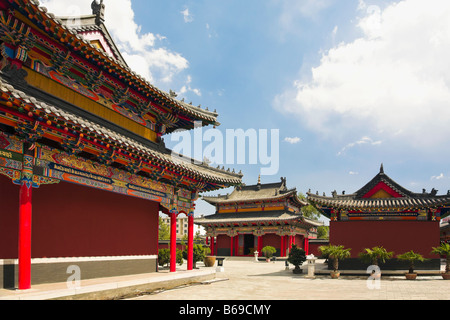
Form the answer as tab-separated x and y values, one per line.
259	179
382	168
98	9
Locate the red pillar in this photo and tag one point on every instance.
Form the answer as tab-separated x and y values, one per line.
282	247
307	246
173	242
259	244
211	246
190	261
231	246
25	213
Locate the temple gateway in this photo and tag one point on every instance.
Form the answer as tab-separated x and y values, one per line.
84	172
255	216
383	213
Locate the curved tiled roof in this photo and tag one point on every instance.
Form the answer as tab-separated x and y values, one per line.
258	192
186	165
256	217
33	9
357	201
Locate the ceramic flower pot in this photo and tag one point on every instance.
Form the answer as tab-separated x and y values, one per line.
411	276
446	276
209	261
335	274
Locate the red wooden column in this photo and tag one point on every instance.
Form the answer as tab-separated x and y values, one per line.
190	260
306	246
282	247
231	246
259	245
25	214
211	246
173	242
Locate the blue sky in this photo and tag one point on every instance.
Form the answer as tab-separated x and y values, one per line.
350	84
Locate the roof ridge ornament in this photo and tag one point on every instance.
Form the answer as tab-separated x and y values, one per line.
382	168
98	9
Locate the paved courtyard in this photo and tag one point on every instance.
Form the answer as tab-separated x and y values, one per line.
250	280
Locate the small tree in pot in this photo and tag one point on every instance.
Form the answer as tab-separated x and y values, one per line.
268	252
412	257
375	255
296	257
336	253
444	251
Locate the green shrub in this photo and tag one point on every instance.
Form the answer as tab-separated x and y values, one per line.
268	251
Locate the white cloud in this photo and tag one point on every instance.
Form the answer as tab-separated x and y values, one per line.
392	82
293	140
143	51
293	10
362	141
353	173
187	16
187	88
439	177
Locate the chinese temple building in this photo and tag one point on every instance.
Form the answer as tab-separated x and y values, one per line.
383	213
84	171
255	216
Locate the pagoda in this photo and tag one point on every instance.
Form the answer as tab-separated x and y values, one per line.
383	213
255	216
84	171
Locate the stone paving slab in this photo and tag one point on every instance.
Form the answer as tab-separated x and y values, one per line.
250	280
242	279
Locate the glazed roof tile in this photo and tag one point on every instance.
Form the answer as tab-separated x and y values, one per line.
255	217
202	170
189	109
357	201
258	192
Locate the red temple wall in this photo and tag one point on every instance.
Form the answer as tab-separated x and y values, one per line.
299	241
222	241
397	236
272	240
76	221
9	218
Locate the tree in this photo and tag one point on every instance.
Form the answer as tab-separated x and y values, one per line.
163	257
336	253
180	257
444	250
268	251
297	256
309	211
323	232
199	253
412	257
164	230
375	255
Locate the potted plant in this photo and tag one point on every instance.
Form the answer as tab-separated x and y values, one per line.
296	257
444	250
375	255
268	252
412	257
336	253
